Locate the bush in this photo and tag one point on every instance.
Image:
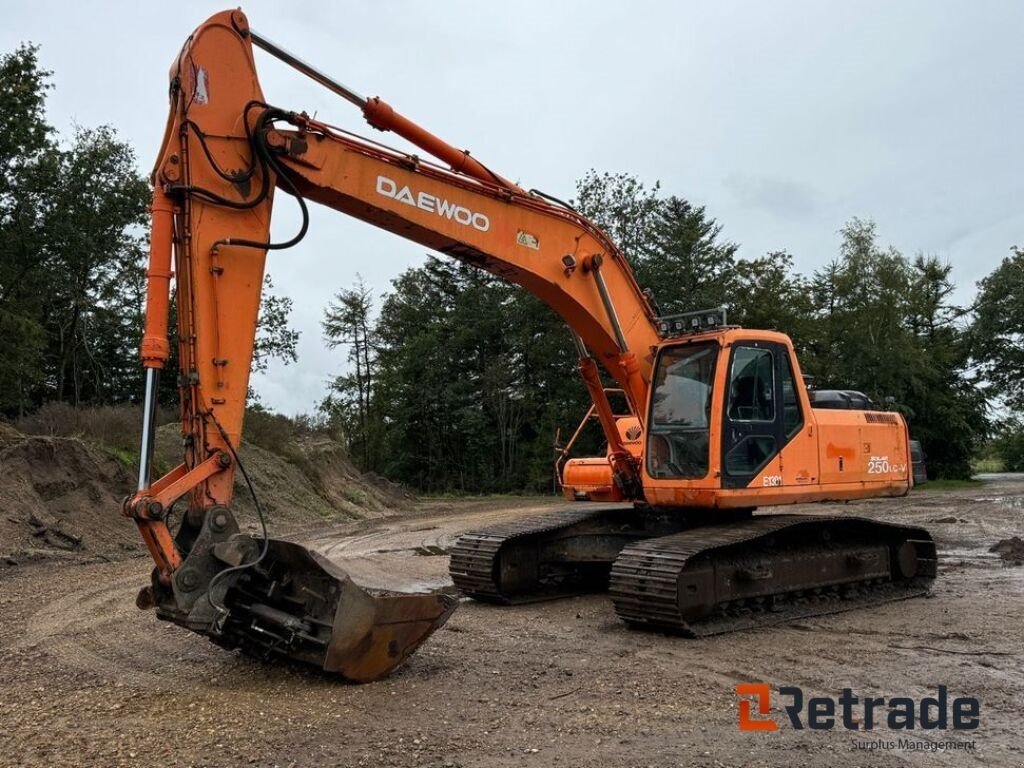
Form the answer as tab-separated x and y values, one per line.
281	434
271	431
1009	445
118	427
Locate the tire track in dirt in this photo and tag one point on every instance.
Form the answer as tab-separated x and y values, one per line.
96	629
408	555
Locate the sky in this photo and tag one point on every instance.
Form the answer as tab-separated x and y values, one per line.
784	119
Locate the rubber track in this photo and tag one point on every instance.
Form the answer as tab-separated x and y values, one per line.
644	579
473	566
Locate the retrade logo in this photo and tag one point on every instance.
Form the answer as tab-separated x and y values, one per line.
854	712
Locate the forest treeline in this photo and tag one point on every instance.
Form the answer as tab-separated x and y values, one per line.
454	380
457	380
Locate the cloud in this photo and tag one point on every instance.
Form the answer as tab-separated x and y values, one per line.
777	196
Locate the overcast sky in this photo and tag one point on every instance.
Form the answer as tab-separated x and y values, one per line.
785	119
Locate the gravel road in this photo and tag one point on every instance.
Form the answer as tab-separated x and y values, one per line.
86	679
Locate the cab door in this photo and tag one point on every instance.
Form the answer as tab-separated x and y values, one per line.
754	413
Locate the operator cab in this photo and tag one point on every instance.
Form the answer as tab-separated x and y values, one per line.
743	381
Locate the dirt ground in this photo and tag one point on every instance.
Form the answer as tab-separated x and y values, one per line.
86	679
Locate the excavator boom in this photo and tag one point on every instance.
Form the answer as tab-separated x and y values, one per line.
224	155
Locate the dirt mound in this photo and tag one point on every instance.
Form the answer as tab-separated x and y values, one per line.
1010	550
60	497
313	480
346	487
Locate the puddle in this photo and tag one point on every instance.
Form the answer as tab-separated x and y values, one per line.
1010	550
424	550
975	558
440	586
1016	502
431	550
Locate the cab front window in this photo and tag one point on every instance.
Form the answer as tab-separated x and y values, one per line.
678	428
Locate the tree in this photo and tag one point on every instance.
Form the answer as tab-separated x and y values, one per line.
95	249
460	383
70	252
1008	443
26	170
861	300
348	321
440	331
885	325
72	243
674	247
275	339
952	406
24	133
463	380
998	332
686	265
769	294
622	206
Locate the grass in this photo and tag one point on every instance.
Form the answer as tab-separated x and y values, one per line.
988	464
116	426
355	496
281	434
469	495
129	458
950	484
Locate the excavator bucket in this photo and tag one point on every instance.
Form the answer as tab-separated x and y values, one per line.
306	607
292	603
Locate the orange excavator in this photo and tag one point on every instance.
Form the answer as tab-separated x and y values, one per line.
717	420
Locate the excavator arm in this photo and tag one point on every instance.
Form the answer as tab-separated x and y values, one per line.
224	155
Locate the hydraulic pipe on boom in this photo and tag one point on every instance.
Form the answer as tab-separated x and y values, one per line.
383	117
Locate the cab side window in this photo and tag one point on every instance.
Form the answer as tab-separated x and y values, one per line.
792	418
752	385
